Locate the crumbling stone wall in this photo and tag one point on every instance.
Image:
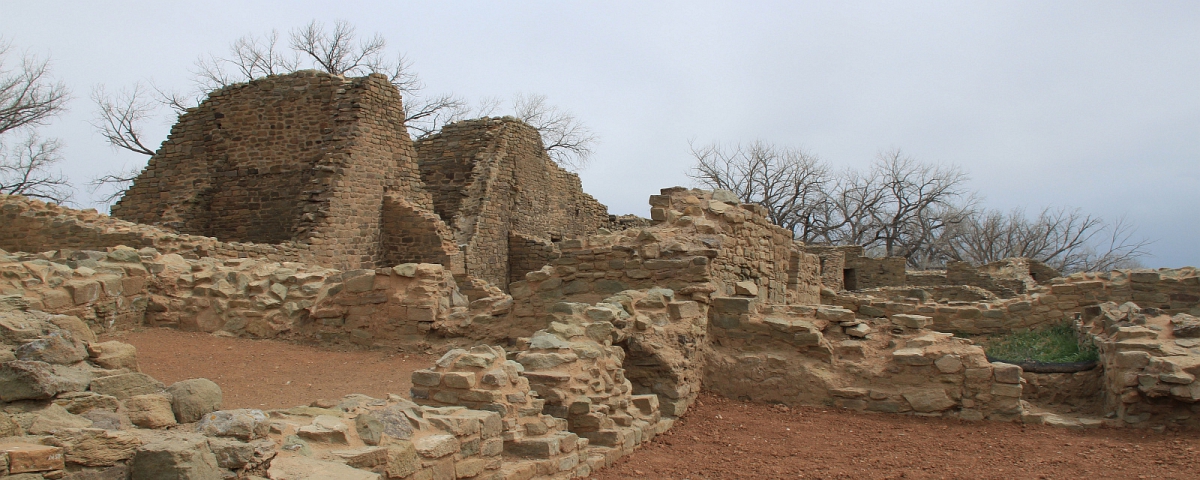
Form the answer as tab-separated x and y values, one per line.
413	235
822	354
36	226
860	271
125	288
527	254
702	247
1150	363
492	179
306	156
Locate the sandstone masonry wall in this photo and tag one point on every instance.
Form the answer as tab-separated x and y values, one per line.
491	179
306	157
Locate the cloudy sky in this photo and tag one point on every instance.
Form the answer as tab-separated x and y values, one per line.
1092	105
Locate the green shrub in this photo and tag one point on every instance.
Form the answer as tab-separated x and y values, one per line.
1053	344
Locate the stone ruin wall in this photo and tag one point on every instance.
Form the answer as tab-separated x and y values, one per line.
491	180
661	343
616	332
703	247
304	157
324	164
33	225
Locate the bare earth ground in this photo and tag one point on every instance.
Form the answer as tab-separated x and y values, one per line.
271	374
718	438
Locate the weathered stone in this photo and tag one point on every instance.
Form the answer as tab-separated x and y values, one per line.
22	380
949	364
56	348
150	411
929	400
55	417
358	281
745	288
545	447
402	459
246	424
911	356
304	468
28	457
127	385
194	398
324	429
114	355
95	447
231	453
175	456
913	322
82	401
436	446
1006	372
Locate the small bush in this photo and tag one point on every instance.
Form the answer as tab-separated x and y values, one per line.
1054	344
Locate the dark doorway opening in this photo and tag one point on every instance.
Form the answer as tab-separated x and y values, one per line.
849	280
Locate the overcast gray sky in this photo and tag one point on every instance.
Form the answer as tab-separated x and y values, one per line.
1092	104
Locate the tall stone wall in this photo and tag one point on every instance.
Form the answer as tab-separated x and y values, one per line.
491	178
306	157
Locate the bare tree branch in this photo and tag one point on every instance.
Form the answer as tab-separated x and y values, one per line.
28	96
1067	240
120	115
119	182
337	53
566	139
26	170
788	182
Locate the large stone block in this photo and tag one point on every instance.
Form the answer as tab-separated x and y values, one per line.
22	380
175	456
194	398
127	385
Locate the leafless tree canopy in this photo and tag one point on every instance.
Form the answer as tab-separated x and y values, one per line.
29	97
27	168
120	116
903	207
568	141
1065	239
789	182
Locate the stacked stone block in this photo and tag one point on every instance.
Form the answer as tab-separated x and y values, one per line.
1150	360
483	379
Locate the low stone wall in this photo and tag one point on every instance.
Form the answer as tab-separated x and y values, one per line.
124	288
823	355
35	226
974	318
1151	362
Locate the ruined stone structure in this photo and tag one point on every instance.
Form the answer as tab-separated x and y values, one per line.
323	165
297	208
493	183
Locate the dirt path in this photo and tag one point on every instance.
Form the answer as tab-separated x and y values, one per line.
271	374
719	438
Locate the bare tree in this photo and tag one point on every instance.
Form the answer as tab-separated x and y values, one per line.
1065	239
918	201
788	182
28	96
250	57
27	170
566	139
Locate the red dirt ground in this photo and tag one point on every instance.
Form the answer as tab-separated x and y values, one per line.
718	438
271	374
